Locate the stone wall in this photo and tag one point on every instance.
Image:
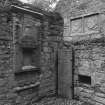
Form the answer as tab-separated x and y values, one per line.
46	59
50	43
48	80
89	61
84	29
6	61
76	12
25	87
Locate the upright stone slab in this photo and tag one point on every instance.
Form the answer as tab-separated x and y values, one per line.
65	72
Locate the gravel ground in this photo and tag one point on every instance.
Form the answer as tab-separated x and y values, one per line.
59	101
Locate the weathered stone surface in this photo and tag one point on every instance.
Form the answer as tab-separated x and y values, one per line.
99	99
84	22
60	101
13	27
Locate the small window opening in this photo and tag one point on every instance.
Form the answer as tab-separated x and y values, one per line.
84	79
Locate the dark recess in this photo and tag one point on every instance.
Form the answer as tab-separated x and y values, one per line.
84	79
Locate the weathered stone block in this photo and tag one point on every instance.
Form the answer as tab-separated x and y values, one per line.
99	99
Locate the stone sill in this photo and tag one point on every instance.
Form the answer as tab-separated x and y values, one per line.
84	33
18	89
37	70
83	36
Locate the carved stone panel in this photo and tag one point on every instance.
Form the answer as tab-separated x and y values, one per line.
30	34
91	23
76	26
30	26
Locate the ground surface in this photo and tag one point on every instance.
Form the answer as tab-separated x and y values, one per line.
59	101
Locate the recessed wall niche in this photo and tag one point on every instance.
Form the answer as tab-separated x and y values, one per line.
27	56
84	79
27	72
31	57
29	45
